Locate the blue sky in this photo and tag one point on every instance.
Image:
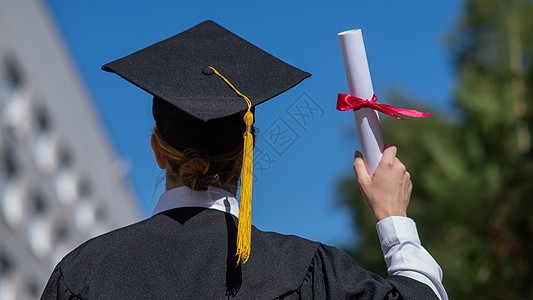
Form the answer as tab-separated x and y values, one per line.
295	192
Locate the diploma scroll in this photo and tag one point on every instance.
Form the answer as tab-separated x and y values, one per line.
360	85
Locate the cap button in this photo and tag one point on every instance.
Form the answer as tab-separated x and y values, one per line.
207	71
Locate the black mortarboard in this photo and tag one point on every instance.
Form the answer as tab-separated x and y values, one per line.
192	106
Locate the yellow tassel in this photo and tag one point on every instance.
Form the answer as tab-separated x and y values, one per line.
244	230
245	211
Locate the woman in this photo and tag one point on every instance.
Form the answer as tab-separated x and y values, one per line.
199	244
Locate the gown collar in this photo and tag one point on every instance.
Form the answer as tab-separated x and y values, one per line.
213	198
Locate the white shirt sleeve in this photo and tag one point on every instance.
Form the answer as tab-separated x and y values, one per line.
405	256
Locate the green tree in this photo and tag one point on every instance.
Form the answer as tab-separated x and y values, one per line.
472	173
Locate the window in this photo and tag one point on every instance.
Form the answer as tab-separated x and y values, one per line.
17	104
8	288
84	212
66	186
11	82
14	76
45	154
42	120
45	144
12	195
10	166
101	213
101	217
62	233
39	229
84	188
37	206
84	215
31	290
64	236
5	266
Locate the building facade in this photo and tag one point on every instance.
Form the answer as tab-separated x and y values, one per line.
60	180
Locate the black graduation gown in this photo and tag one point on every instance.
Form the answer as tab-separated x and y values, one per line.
189	253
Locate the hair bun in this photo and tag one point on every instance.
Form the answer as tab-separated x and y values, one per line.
194	171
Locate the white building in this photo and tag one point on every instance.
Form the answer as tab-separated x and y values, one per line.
60	181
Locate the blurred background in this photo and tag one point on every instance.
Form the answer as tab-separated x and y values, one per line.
75	159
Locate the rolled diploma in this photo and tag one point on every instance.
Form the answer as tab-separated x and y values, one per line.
360	85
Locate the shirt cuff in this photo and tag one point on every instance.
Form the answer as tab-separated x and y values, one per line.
395	230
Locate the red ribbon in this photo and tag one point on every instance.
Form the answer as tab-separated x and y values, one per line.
346	102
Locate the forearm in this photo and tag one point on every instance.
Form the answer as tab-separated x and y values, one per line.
405	256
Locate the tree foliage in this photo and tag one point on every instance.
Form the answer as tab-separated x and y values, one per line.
473	173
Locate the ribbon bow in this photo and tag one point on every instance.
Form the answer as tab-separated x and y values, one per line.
346	102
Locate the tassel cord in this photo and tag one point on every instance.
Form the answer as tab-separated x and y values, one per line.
244	230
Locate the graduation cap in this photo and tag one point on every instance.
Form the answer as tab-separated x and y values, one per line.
205	81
